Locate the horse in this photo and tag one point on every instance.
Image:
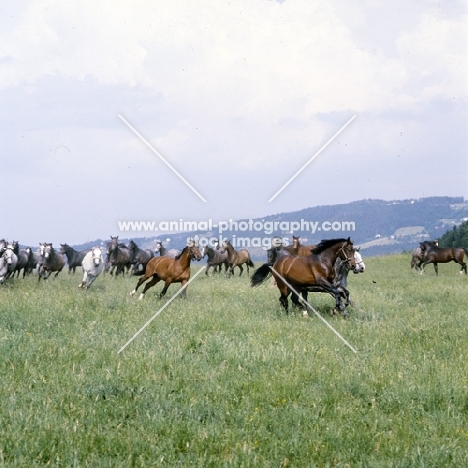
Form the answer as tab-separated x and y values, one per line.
170	270
237	258
53	262
25	257
434	254
3	246
36	259
340	280
74	257
298	249
308	272
215	259
277	250
140	257
417	258
163	252
11	260
92	264
119	256
3	269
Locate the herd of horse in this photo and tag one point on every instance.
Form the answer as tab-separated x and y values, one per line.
295	269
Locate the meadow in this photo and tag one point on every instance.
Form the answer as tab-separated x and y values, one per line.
225	378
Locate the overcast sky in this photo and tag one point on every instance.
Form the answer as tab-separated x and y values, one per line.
237	96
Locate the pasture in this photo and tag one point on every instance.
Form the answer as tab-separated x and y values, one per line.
225	378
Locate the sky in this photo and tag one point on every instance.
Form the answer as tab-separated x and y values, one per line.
166	110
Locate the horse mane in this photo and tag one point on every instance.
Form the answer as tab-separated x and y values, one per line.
326	244
180	255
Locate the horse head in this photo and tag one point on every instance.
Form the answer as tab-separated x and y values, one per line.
97	255
360	265
48	249
8	254
346	253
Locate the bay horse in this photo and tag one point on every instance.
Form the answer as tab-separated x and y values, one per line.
74	257
53	262
340	279
434	254
298	249
216	259
170	270
140	257
237	258
308	272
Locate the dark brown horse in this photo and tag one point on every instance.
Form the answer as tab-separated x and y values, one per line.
309	272
169	270
118	256
53	262
433	254
237	258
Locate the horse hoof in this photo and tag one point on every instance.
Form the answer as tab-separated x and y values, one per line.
141	297
304	313
132	293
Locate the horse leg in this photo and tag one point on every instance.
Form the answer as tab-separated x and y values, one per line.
183	294
155	280
167	283
139	283
241	269
436	268
83	282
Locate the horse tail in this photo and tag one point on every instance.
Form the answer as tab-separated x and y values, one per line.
250	263
260	275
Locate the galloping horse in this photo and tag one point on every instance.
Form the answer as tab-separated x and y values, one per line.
237	258
53	261
434	254
11	260
92	265
74	257
170	270
163	252
140	257
308	272
119	256
215	259
340	281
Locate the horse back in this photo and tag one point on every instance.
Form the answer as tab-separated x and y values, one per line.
167	267
296	269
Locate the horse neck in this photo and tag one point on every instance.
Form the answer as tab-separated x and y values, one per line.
211	253
331	254
230	250
184	258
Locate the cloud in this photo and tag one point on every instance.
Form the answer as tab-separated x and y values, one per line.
236	95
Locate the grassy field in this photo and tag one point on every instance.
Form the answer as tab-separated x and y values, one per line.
225	378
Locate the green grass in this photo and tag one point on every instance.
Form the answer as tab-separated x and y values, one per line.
225	378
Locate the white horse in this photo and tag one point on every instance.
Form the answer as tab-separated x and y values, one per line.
3	269
11	260
92	265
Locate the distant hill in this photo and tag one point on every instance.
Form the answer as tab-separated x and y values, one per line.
379	226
